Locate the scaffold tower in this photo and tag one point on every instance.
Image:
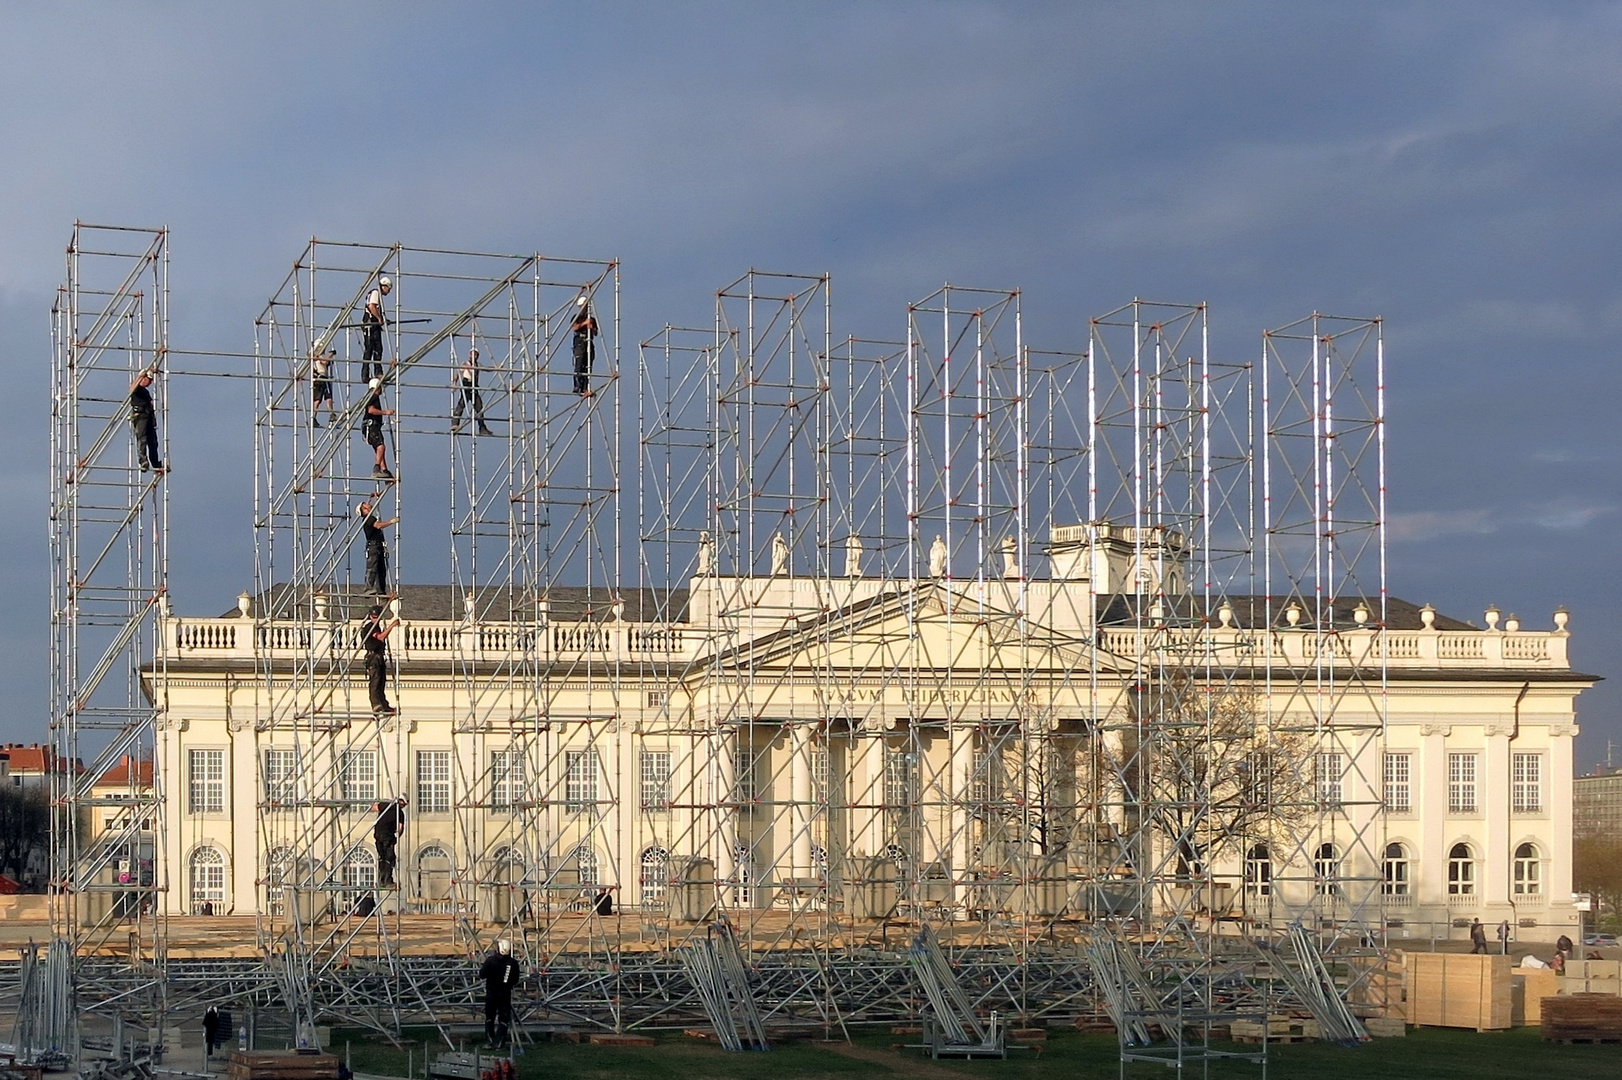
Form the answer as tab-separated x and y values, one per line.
109	543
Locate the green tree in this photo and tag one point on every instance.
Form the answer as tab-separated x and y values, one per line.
25	832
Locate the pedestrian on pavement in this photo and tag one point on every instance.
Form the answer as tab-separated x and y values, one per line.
1503	936
1478	937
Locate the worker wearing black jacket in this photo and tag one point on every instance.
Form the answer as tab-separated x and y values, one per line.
500	974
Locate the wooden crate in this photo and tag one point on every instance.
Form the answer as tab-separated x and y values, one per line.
1458	990
1582	1018
1381	1027
1539	983
280	1065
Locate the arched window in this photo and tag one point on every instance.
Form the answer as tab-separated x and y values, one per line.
1326	870
746	875
1396	870
1461	870
434	873
207	876
358	876
1259	871
652	875
278	875
585	858
1528	871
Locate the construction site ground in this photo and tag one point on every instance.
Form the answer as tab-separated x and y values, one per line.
1066	1055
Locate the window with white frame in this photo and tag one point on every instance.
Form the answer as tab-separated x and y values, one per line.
1526	783
654	772
900	777
281	774
1257	779
743	769
279	873
433	781
580	781
1399	785
1331	769
1461	783
506	778
205	781
1326	870
819	775
1259	870
1461	870
207	879
1397	867
357	776
653	869
1528	871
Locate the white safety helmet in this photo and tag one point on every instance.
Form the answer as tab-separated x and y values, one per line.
375	384
384	281
580	301
504	946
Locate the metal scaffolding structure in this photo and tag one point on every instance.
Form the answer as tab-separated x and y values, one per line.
1065	663
109	540
474	352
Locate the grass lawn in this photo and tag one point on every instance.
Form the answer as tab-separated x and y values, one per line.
1423	1054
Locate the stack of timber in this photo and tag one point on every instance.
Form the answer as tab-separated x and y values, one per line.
1582	1018
1458	990
281	1065
1592	977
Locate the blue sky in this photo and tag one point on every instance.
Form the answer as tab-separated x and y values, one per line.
1454	168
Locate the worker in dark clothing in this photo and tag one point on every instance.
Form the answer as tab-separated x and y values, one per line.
371	325
377	549
375	640
144	422
467	393
500	974
211	1031
585	345
321	384
372	428
386	833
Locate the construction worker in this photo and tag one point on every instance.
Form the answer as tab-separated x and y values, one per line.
585	347
372	428
467	393
377	549
386	832
371	324
144	423
321	383
500	974
375	640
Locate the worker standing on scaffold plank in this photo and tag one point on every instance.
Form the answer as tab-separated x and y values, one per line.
371	323
377	550
467	393
386	832
372	428
144	423
321	383
585	347
375	640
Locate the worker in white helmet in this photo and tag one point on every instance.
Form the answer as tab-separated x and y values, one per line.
500	974
585	347
371	323
372	428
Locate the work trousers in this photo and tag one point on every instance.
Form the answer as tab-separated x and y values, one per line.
498	1015
583	356
377	569
377	676
146	440
465	396
372	356
385	859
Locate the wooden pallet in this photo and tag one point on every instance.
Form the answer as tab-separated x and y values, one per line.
280	1065
1582	1018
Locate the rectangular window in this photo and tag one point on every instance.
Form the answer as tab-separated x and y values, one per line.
357	776
1527	783
1330	770
1399	788
506	778
899	775
743	770
580	786
1461	783
205	781
433	781
819	776
1260	767
655	776
281	775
